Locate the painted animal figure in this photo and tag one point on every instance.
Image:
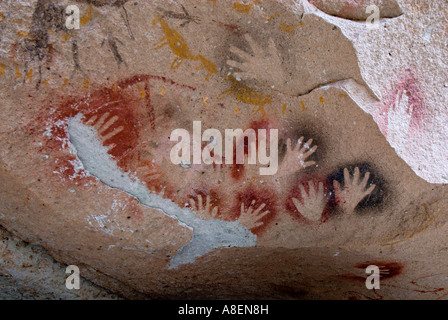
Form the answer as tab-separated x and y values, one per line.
175	41
179	47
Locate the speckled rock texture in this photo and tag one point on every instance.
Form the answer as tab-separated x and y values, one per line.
116	154
28	272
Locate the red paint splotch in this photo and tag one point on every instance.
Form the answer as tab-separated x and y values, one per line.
124	102
127	101
232	28
409	85
237	171
388	270
261	196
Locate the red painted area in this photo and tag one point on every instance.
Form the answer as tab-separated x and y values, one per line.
263	123
215	197
232	28
353	295
129	100
388	270
134	207
122	101
391	269
237	169
260	195
407	84
237	172
296	193
151	176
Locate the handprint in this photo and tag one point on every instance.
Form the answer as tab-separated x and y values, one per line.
259	66
295	158
202	212
250	218
148	171
102	126
151	174
159	190
313	203
354	190
399	121
384	271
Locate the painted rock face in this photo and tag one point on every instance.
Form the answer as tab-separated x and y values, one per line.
202	137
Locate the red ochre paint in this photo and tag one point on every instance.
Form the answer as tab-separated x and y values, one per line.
152	178
215	198
134	209
123	103
237	172
394	269
427	290
407	84
232	28
260	195
124	99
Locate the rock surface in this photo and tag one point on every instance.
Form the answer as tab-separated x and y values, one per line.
89	124
28	272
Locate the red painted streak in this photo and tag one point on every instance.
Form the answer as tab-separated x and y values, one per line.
394	269
232	28
427	290
408	83
388	270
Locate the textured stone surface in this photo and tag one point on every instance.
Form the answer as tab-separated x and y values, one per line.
28	272
85	149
